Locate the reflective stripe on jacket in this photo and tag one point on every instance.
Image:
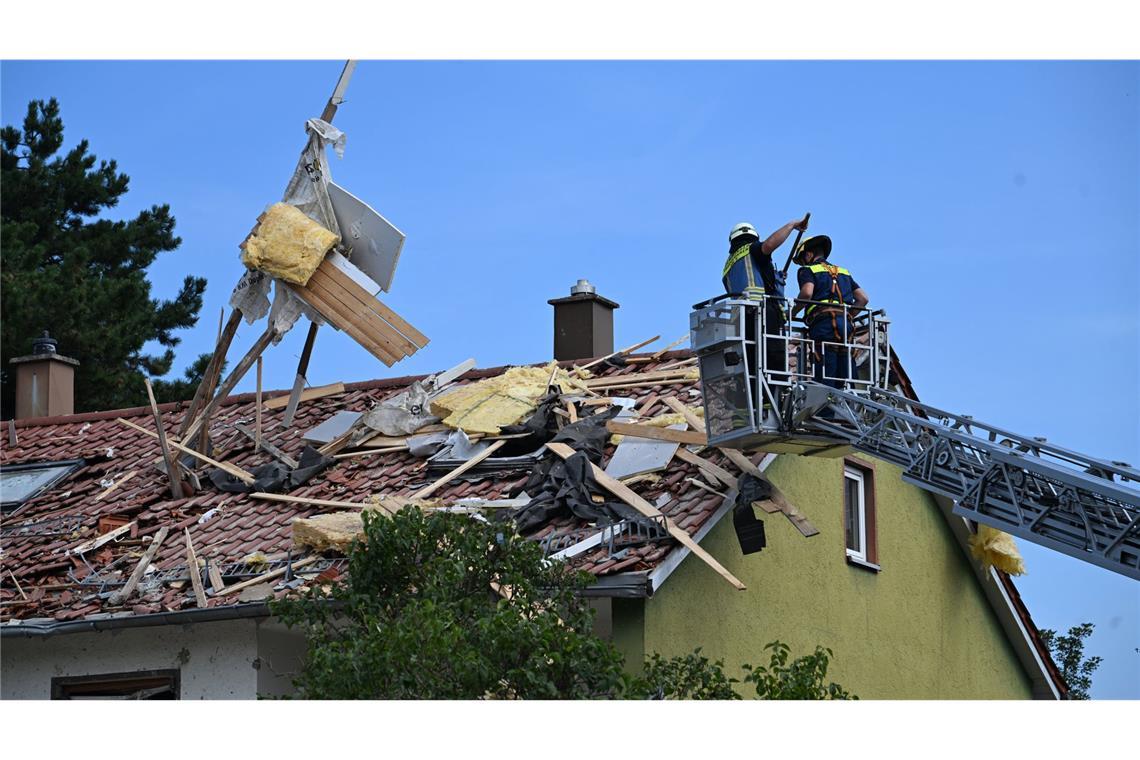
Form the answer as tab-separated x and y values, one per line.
832	284
741	274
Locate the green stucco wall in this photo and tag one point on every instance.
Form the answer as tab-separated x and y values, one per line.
919	629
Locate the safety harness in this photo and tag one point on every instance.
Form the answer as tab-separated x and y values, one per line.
752	290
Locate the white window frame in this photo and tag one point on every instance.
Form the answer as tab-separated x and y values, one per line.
850	473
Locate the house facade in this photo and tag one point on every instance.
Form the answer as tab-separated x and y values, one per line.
886	582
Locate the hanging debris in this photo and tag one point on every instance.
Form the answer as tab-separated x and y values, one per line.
993	548
288	245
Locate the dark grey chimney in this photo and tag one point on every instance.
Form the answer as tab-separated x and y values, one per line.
45	381
583	323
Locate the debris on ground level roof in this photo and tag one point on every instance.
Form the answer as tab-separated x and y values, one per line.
250	545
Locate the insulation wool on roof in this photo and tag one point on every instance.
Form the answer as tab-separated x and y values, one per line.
288	245
993	548
488	405
664	420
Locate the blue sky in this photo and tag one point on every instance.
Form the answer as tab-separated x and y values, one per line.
992	208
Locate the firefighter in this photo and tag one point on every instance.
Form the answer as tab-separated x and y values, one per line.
749	271
821	281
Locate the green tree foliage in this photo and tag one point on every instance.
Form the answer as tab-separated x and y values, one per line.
439	606
1069	654
690	676
419	617
803	678
68	270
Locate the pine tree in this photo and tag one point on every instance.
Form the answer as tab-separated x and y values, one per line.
69	270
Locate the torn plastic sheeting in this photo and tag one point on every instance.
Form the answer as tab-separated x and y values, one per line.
275	477
426	445
460	447
308	187
251	297
402	414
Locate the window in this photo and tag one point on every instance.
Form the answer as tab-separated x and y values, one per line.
20	482
147	684
859	514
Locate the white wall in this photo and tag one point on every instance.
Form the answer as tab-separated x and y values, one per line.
216	660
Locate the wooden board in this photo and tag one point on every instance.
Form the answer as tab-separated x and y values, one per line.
232	469
132	583
624	493
361	317
715	470
195	573
320	391
333	316
656	433
430	489
366	299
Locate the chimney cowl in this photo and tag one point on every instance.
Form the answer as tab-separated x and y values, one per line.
45	344
582	286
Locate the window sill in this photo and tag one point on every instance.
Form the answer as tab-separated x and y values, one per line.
869	566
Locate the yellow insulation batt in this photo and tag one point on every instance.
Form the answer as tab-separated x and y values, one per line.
288	245
487	405
993	548
337	530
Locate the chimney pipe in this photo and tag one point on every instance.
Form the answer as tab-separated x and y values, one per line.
583	323
45	381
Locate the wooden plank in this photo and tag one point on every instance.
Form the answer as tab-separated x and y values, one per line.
644	383
217	585
125	592
95	543
213	371
715	470
202	422
624	493
650	401
803	525
398	501
171	470
704	486
658	376
195	573
677	342
257	408
430	489
656	433
365	321
571	412
233	469
360	308
320	391
267	576
302	372
268	447
625	350
123	479
336	314
368	300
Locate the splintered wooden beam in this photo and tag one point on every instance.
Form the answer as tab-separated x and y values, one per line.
716	471
232	469
195	573
430	489
675	343
171	470
213	371
619	352
132	583
623	492
656	433
202	421
797	518
320	391
114	486
267	576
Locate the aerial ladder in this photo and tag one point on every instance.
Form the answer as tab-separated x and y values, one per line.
1085	507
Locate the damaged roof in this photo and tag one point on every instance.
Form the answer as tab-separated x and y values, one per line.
243	536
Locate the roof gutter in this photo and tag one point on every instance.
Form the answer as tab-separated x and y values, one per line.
89	625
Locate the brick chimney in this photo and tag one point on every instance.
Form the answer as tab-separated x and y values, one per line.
583	323
45	381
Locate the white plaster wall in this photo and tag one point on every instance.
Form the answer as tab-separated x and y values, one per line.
216	660
279	653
